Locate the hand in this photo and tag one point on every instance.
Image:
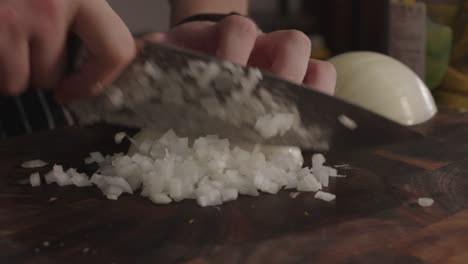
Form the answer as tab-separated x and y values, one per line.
33	35
284	53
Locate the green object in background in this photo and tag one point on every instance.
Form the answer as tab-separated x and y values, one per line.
438	49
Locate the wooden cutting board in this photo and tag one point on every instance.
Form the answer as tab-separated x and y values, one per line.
375	218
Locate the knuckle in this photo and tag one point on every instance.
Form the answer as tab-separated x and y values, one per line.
298	38
48	8
241	25
49	13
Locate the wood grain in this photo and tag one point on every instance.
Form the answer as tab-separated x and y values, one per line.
375	218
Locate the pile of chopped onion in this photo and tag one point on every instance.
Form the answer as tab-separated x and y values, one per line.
209	170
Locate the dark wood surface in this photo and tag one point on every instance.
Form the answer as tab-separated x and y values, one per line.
375	218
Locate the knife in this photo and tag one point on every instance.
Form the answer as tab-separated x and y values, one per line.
196	95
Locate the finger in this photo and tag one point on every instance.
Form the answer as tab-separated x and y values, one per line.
14	68
284	53
236	39
47	45
110	45
200	36
14	57
321	76
231	39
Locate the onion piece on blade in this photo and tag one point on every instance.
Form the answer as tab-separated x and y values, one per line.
347	122
118	137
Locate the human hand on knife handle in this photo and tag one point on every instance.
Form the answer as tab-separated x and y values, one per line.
34	32
33	39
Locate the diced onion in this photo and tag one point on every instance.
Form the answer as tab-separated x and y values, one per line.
328	197
97	156
32	164
210	170
309	184
35	179
89	160
323	175
294	195
229	194
81	180
58	176
347	122
160	198
317	160
425	202
272	125
342	166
